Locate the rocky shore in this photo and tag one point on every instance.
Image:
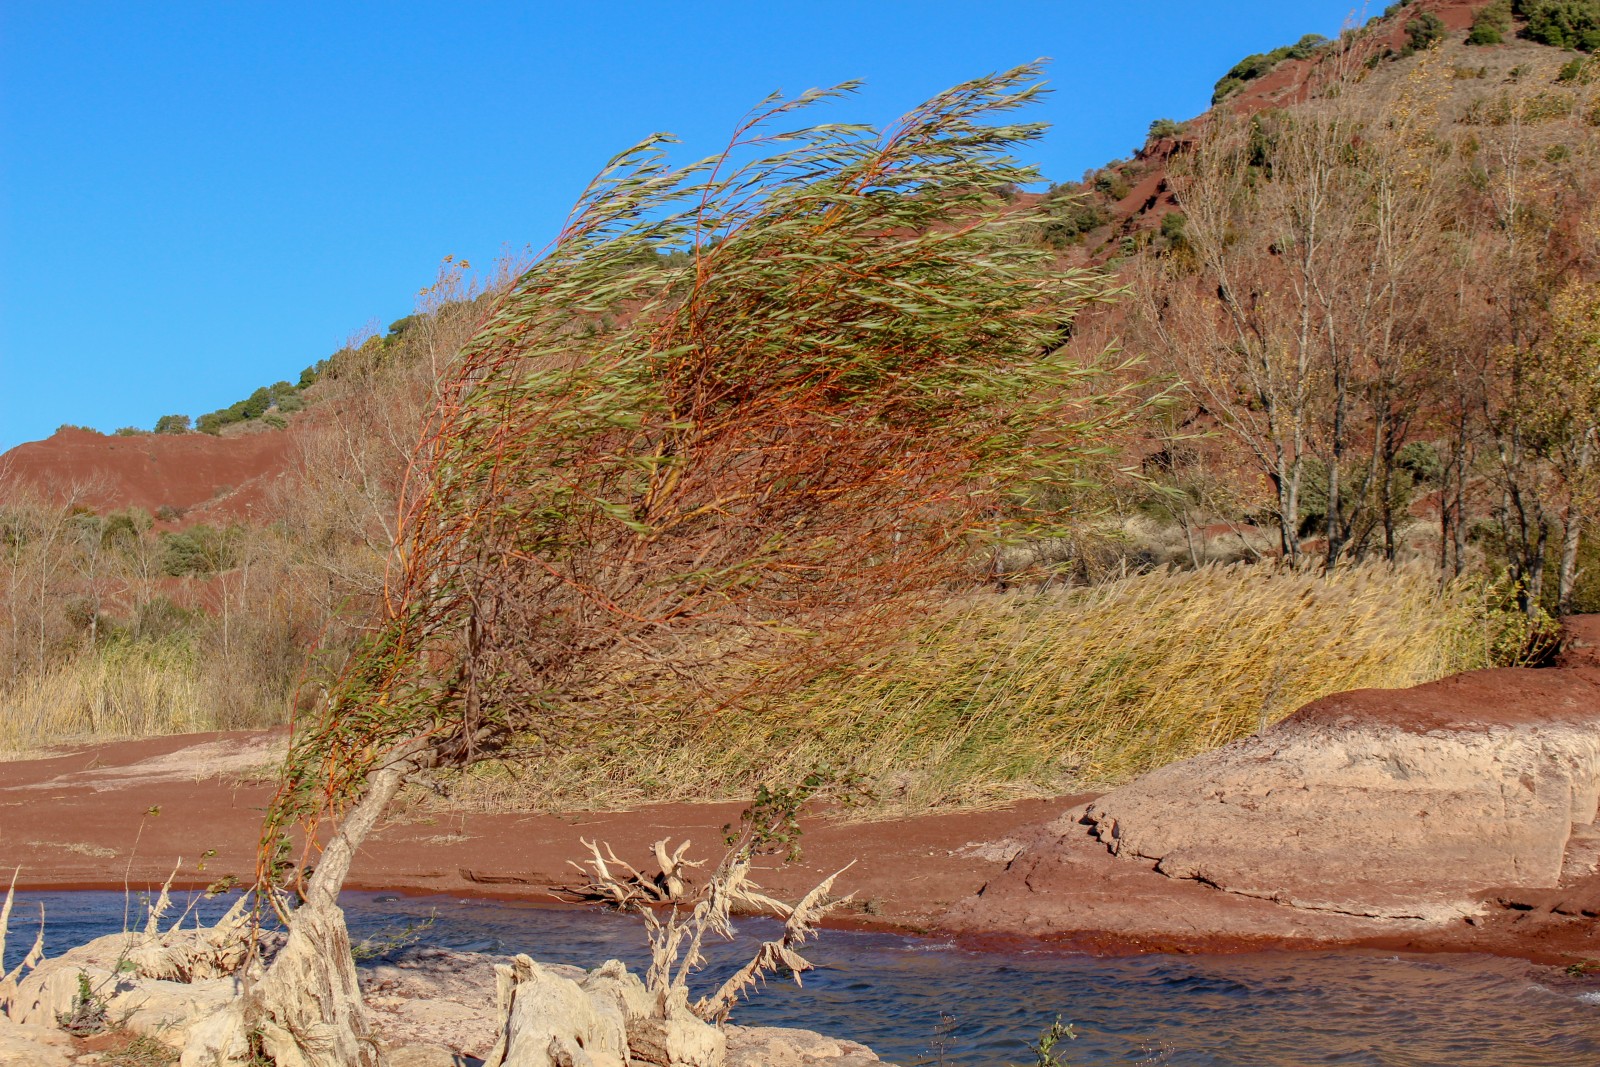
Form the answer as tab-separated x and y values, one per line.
1458	815
433	1008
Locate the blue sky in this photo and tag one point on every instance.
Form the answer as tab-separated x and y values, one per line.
200	198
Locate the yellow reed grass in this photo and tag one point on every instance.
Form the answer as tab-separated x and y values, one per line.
129	689
1007	695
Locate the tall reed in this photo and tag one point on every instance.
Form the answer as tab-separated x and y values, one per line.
1006	695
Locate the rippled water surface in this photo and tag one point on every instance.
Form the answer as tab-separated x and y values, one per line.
920	1001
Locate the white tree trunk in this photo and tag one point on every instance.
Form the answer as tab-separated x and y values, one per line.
309	1007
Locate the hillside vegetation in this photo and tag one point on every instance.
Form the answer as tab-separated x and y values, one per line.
1367	311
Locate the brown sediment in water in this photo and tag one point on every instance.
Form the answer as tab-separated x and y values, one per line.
110	815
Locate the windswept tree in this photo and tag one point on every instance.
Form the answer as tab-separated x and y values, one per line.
742	416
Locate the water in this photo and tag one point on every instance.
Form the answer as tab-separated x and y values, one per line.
924	1001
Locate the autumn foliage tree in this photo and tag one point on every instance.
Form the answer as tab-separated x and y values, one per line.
748	411
1297	318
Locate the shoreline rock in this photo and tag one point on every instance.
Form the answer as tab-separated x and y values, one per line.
1379	804
1460	814
433	1007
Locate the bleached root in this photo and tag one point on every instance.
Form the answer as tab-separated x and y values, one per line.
799	926
679	916
30	962
619	884
310	1008
307	1007
193	955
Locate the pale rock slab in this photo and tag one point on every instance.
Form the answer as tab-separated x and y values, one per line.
1391	804
775	1046
28	1045
553	1022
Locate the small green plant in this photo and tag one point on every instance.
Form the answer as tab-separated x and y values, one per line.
392	939
1582	968
88	1013
771	824
1044	1049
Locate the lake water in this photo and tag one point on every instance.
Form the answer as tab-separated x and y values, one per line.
927	1001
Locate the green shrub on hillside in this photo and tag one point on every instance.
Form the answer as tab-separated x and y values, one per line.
1162	129
1069	214
1491	24
1172	229
1580	71
253	406
1424	32
200	550
172	424
1255	66
1112	185
1561	23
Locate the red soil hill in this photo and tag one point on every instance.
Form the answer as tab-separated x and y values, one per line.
205	478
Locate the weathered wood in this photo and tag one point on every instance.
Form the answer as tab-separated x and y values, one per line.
309	1001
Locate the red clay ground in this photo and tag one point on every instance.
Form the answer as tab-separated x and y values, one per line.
95	816
83	820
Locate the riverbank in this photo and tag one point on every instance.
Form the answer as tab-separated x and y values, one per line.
105	816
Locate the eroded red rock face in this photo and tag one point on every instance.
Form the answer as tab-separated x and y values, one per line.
1580	644
206	478
1474	701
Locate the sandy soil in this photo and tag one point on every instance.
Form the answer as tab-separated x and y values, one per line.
106	815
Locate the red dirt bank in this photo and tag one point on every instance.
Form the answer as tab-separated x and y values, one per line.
89	817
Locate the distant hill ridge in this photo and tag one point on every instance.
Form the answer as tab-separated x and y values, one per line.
224	474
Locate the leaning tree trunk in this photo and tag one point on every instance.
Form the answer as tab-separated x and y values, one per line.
308	1005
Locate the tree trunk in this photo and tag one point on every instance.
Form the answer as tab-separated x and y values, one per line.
1571	538
1572	535
310	1012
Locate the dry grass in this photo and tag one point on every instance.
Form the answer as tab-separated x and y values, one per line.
124	1048
996	697
1003	696
128	690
